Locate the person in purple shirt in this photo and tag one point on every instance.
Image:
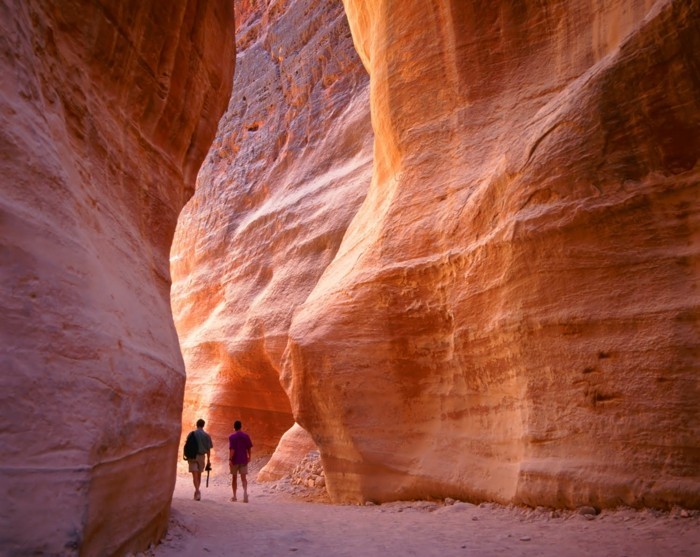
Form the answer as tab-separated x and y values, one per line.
239	445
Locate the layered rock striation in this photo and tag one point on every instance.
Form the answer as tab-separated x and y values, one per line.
513	312
107	109
289	168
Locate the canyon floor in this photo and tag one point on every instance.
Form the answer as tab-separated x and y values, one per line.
282	519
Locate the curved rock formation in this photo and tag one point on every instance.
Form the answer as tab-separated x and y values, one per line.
513	312
289	168
294	445
107	109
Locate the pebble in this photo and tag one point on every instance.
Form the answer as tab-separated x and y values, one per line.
587	510
525	539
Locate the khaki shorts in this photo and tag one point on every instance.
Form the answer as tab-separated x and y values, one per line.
196	464
240	468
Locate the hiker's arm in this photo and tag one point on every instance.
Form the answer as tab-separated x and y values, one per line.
230	454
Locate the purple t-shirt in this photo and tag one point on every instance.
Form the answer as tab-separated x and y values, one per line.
240	443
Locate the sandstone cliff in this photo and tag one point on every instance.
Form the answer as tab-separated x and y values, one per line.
289	168
513	312
107	109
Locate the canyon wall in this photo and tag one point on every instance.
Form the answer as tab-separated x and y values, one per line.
513	312
288	170
107	109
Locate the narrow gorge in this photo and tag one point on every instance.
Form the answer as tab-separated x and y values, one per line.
454	246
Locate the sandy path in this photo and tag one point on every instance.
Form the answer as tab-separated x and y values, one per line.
275	523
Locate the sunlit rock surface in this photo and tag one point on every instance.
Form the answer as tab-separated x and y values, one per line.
289	168
107	109
513	312
294	445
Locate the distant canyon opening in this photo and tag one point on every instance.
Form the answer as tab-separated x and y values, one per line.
288	170
452	259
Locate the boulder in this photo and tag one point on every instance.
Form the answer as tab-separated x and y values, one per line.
294	445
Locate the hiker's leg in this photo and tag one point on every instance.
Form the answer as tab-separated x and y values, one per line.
244	483
233	469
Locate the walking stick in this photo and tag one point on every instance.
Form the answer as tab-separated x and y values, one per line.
208	469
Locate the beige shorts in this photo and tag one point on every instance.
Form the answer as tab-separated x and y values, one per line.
240	468
196	464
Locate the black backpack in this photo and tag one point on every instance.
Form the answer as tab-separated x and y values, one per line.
191	447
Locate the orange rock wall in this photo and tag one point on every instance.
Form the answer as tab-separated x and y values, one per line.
293	446
513	312
107	109
289	167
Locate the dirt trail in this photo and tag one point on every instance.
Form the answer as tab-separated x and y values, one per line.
278	522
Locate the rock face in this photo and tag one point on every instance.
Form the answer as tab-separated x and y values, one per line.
513	312
291	450
288	170
107	109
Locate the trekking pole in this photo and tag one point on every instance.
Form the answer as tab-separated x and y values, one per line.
208	469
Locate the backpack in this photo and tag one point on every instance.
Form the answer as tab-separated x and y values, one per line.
191	447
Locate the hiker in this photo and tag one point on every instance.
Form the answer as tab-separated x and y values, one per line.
239	445
197	464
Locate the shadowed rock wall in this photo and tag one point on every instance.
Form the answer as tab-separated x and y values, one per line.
289	168
107	109
513	312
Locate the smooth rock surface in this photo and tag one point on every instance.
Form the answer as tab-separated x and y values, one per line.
513	312
294	445
287	171
107	109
